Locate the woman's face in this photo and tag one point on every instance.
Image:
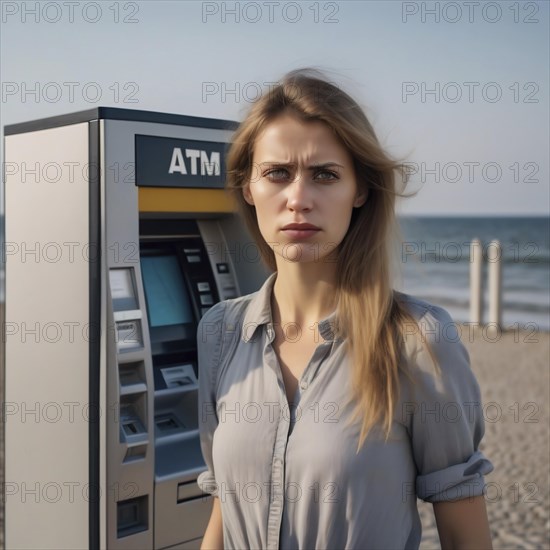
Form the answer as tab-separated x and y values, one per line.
302	174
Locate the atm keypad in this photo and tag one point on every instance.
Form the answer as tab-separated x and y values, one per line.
206	299
203	287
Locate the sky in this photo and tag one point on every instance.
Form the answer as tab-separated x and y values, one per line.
457	90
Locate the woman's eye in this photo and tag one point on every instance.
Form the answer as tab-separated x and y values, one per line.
276	174
331	175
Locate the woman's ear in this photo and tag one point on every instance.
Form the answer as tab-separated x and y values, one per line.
247	195
360	198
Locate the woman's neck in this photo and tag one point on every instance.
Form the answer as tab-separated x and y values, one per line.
304	293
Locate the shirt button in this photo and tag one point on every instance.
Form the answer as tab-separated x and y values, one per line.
303	385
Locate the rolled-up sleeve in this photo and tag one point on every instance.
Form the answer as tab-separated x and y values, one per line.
445	415
209	343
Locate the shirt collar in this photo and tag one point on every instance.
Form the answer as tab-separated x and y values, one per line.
258	313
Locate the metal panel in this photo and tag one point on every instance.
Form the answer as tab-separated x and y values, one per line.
126	479
47	273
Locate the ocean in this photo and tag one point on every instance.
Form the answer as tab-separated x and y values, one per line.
435	265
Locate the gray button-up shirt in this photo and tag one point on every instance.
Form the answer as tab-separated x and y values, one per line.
290	477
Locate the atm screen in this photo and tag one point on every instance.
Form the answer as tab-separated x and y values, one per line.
167	298
169	309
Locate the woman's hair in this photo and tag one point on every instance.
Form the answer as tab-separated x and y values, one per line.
368	314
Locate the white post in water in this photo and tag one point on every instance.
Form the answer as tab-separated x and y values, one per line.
476	265
494	257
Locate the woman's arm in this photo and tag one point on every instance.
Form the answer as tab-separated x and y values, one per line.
463	524
213	536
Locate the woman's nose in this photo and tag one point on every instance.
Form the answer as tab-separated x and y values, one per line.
300	195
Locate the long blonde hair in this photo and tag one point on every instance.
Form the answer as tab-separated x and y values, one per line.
368	313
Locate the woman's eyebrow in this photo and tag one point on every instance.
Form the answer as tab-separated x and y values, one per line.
311	167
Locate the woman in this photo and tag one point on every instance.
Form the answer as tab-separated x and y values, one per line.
328	402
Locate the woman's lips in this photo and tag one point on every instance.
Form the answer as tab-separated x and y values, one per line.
298	234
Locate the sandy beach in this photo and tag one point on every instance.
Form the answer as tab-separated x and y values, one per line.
513	373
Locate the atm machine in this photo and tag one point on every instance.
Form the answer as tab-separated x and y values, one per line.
119	236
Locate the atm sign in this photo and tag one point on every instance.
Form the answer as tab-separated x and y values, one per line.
171	162
196	159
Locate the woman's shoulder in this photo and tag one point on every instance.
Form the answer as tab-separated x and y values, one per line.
226	314
433	325
218	332
420	308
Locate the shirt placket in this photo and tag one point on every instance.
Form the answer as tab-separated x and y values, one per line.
276	503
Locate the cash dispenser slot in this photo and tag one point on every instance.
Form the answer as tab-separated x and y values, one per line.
168	424
132	516
175	377
176	416
181	377
133	431
188	491
132	378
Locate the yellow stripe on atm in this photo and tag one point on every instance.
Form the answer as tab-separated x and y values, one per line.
163	199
